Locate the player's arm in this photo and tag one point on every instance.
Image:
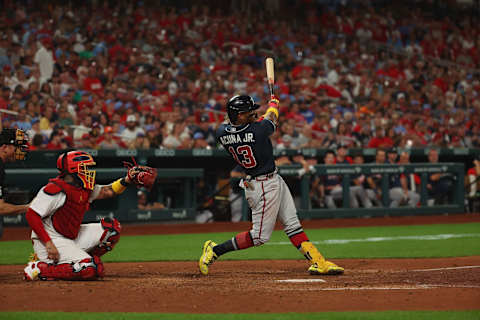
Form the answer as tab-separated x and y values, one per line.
111	190
141	176
272	113
35	222
47	201
12	209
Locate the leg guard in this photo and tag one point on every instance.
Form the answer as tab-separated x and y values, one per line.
110	236
311	252
243	241
298	238
86	269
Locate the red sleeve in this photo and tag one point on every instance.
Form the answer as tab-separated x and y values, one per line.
35	221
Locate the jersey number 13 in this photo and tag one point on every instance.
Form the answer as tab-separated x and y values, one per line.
246	153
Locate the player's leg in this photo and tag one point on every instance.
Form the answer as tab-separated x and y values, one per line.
264	202
353	197
413	198
74	263
396	196
294	230
361	194
337	194
99	238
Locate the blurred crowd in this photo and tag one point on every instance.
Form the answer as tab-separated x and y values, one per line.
135	74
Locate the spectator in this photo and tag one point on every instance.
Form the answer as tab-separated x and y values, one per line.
144	204
83	128
440	185
199	141
341	157
44	59
109	141
37	142
130	133
177	139
140	142
359	184
401	185
331	186
472	185
374	192
205	128
380	140
56	142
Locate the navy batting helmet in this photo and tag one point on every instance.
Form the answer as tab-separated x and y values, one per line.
239	104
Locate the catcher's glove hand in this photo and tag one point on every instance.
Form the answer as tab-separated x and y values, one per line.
141	176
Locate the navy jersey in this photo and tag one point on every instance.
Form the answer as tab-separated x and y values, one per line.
329	181
249	145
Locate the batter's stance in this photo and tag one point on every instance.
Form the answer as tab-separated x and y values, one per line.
248	142
66	248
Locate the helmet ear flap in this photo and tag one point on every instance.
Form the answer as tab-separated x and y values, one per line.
62	162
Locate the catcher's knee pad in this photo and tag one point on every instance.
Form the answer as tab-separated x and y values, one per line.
86	269
110	236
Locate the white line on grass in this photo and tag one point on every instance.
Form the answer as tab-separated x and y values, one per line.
379	239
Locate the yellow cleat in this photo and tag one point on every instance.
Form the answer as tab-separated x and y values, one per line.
326	268
207	257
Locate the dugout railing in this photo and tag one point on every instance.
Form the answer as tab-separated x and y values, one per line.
211	159
347	171
124	207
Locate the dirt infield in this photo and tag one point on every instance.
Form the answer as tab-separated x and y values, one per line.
259	286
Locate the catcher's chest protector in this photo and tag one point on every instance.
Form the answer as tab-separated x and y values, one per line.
68	218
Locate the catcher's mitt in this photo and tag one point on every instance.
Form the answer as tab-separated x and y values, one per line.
141	176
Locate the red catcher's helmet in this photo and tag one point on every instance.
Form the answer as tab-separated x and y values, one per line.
77	163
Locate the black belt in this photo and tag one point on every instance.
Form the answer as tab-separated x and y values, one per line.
262	177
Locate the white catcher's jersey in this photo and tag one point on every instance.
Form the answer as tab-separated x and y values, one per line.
70	250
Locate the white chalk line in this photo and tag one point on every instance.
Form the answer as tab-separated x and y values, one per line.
380	239
409	287
446	268
300	280
414	270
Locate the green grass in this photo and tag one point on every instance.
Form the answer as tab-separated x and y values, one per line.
188	246
391	315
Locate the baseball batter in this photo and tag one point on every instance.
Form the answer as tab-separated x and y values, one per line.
248	142
67	249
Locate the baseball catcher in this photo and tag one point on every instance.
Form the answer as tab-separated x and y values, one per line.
66	249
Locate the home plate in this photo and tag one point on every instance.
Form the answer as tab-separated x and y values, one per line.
300	280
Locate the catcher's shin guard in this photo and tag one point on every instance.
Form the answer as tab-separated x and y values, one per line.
110	236
86	269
